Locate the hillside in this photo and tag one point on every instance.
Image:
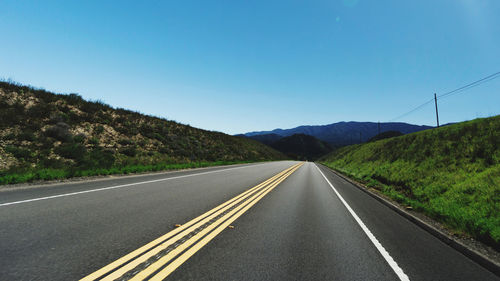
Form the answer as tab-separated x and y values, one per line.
451	173
344	133
302	147
266	139
386	135
45	135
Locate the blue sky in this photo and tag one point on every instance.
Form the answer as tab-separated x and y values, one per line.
238	66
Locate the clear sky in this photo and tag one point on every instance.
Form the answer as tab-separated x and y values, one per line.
238	66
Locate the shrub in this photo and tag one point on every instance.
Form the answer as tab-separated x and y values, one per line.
159	137
26	135
74	151
146	130
80	138
39	110
125	142
74	118
129	151
101	158
58	117
74	99
163	149
11	115
51	163
93	107
99	129
94	141
60	132
18	152
10	136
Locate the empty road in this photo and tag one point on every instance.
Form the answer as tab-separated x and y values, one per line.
267	221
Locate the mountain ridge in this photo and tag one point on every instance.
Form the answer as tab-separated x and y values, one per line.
344	132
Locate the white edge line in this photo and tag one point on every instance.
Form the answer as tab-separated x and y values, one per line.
120	186
399	272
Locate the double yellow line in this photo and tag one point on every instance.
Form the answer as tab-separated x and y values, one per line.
159	258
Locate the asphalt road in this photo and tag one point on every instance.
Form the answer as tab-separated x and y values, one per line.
306	224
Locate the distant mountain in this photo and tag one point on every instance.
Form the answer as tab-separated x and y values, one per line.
344	133
302	147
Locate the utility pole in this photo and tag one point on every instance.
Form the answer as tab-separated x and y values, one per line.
437	115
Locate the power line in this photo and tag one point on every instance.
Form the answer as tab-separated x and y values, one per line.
453	92
413	110
471	85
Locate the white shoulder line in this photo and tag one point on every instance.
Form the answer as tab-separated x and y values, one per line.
399	272
120	186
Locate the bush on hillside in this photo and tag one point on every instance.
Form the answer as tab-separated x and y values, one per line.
75	151
19	152
60	132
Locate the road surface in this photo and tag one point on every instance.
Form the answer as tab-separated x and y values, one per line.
269	221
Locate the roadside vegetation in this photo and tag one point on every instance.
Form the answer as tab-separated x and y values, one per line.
451	174
57	174
53	136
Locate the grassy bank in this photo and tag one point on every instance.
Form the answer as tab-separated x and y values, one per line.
56	174
451	174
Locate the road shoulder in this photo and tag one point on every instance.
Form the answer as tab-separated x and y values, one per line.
475	250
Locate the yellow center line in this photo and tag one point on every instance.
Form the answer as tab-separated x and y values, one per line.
186	255
178	236
183	229
219	225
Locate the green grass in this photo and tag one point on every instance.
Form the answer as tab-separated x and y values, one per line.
451	173
55	174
